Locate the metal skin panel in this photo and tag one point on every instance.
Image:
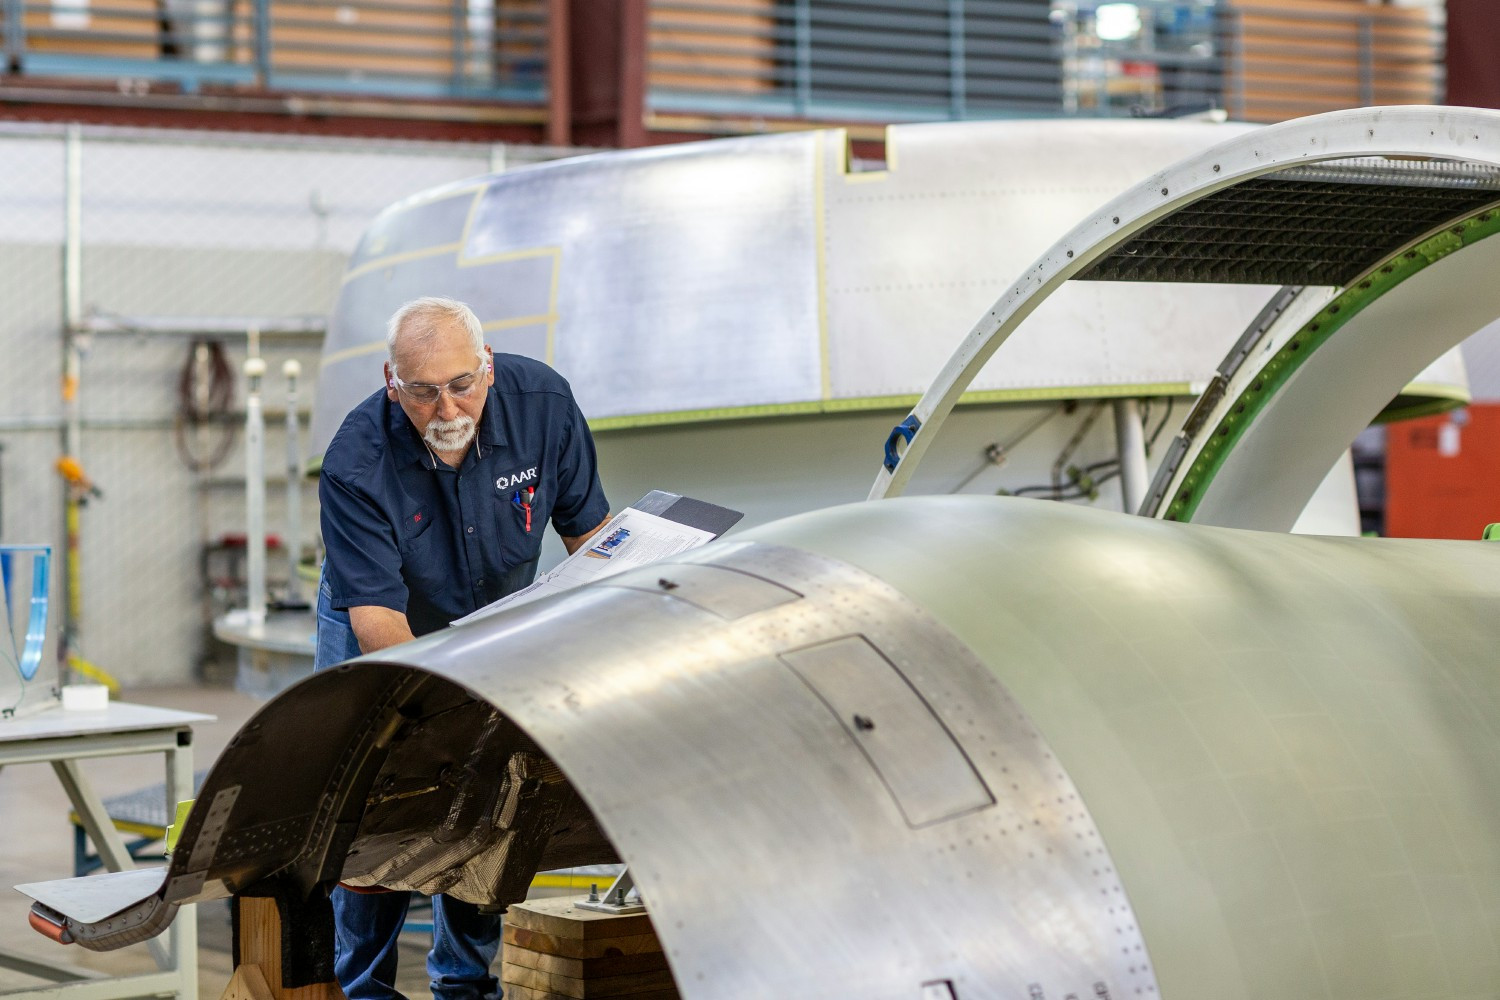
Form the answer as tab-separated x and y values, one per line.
917	759
702	752
741	273
97	897
1288	743
1452	134
625	271
1267	761
727	593
916	251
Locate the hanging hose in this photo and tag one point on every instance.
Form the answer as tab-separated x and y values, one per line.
205	406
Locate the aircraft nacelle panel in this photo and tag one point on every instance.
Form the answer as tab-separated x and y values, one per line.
998	743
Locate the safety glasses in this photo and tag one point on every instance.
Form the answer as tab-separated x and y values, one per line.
427	394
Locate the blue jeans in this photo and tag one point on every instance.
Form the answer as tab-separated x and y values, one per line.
336	642
366	925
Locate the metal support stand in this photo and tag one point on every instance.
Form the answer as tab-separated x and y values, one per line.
1130	443
618	898
255	495
292	541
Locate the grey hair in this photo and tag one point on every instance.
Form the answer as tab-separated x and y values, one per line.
416	323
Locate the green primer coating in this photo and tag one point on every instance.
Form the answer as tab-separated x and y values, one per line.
1423	401
179	820
1316	332
1041	394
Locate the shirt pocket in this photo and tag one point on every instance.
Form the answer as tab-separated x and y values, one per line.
413	526
517	544
420	564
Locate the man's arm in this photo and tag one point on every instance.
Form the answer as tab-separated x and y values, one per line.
575	542
376	627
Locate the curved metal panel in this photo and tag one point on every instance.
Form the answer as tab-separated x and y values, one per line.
1279	423
935	740
625	271
739	276
1287	742
1462	135
828	726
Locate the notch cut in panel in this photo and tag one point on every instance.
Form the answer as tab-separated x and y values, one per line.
921	764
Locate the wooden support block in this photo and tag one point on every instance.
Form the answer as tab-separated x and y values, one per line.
551	944
558	916
260	948
522	993
585	968
583	989
247	983
555	951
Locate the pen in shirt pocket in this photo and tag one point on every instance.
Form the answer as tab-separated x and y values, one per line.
529	495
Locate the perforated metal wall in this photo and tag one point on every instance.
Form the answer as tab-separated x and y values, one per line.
1298	227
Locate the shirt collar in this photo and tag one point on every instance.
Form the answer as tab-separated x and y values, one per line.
413	449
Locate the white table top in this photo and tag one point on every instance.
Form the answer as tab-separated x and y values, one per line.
119	717
282	632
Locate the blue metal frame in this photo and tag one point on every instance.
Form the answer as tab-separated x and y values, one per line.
15	29
881	60
246	57
28	658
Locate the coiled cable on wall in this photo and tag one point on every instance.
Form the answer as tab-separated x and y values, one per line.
204	427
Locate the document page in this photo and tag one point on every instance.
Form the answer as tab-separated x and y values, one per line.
631	538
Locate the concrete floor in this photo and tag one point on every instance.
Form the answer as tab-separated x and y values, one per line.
36	844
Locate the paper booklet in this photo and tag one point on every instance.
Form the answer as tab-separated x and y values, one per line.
654	527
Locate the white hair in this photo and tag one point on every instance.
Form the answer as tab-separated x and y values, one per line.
417	322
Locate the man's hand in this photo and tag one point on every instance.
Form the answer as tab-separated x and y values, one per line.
575	542
376	627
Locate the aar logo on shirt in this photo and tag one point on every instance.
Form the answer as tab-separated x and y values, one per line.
515	480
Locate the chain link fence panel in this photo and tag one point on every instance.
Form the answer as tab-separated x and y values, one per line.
178	230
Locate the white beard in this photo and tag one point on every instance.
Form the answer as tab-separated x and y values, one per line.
446	436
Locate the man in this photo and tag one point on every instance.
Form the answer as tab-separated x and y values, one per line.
434	494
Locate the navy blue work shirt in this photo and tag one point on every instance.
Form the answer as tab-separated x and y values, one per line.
437	543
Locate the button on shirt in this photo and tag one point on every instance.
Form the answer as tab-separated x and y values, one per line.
406	531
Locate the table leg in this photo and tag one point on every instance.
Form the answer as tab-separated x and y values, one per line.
107	840
182	936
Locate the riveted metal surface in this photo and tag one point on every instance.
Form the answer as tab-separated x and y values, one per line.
206	843
99	896
703	724
915	756
727	593
1286	744
754	774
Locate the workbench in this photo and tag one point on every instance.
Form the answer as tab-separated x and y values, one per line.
63	738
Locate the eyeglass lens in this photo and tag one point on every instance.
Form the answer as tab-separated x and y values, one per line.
458	388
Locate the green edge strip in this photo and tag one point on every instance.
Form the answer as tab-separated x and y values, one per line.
865	404
1424	400
902	403
1313	335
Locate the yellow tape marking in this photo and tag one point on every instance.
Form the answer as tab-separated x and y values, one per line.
380	263
825	379
359	351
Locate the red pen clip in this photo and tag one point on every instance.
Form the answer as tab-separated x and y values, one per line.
526	504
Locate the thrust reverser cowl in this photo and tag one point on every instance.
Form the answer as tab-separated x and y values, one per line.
939	739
